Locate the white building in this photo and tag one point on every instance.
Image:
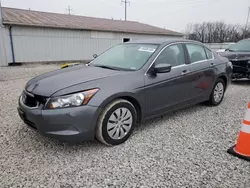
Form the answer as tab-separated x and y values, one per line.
32	36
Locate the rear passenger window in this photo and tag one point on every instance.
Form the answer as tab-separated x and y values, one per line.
196	53
209	53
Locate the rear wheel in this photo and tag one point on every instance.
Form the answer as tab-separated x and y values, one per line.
116	122
218	92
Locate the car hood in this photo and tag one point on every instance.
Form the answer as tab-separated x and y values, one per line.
236	56
49	83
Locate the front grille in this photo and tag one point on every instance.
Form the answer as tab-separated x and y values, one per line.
241	63
31	100
41	100
240	66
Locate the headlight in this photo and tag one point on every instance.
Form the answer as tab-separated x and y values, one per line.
73	100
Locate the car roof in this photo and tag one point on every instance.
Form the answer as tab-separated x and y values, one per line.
160	41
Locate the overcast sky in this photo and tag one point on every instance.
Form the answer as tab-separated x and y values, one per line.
171	14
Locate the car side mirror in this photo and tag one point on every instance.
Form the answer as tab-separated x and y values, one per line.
162	68
95	56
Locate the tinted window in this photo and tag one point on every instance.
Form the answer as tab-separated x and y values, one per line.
209	54
242	46
196	53
173	55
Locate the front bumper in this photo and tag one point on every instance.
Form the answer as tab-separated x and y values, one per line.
241	68
69	124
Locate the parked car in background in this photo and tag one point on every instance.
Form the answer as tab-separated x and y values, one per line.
239	55
127	84
223	49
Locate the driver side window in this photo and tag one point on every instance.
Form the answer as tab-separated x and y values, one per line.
173	55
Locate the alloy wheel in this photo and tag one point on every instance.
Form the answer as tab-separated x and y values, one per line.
218	92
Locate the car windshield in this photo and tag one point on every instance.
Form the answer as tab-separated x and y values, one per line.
242	46
125	56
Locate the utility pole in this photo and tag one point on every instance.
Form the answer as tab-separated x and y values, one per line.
248	14
1	16
70	10
125	2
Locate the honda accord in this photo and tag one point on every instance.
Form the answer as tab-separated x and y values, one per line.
125	85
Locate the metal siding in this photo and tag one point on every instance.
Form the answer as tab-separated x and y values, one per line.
46	44
102	35
3	57
7	45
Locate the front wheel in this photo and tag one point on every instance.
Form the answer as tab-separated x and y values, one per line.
116	122
218	92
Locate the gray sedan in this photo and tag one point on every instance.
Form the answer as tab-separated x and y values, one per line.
125	85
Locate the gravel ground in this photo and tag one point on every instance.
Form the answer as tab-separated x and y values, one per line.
183	149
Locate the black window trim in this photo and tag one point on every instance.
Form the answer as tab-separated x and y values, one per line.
210	51
187	58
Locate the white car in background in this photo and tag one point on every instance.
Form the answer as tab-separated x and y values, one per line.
220	50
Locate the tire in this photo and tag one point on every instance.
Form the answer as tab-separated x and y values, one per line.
116	122
213	100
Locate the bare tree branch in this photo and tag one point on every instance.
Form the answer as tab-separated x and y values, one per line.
216	32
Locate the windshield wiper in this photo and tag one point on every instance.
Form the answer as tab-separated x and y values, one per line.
107	67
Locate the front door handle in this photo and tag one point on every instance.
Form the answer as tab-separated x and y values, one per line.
185	72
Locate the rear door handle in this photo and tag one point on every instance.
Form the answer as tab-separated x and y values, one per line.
211	64
185	72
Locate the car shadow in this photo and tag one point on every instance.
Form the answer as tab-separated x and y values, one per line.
152	122
38	141
50	144
241	82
